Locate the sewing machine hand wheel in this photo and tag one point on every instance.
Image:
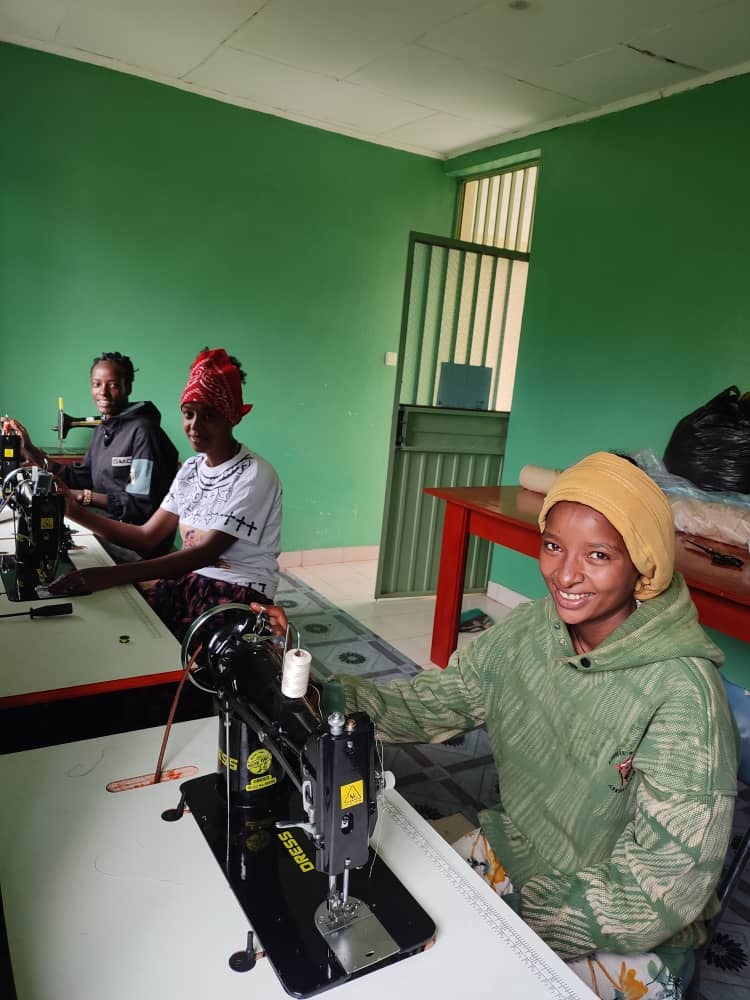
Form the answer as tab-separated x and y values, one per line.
11	484
252	626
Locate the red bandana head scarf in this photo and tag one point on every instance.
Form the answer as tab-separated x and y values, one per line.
215	381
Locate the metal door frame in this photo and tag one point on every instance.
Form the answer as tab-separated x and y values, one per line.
446	243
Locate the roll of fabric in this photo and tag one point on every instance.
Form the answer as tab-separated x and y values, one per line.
538	479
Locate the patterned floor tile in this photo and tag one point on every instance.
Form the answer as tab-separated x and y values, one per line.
728	955
338	642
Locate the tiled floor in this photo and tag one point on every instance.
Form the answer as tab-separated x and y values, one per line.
404	622
407	625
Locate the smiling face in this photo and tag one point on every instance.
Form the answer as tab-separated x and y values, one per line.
208	432
588	570
109	389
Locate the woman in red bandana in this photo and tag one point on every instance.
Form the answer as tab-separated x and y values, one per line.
226	501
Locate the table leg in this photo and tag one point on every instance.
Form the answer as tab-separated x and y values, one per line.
450	586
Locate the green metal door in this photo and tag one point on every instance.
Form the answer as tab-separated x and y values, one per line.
435	448
461	321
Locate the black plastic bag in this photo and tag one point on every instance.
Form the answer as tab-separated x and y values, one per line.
711	446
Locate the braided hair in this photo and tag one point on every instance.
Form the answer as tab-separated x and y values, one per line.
121	361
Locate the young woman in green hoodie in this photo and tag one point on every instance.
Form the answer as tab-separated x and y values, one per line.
610	729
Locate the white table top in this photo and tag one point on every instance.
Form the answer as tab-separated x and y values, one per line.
6	522
104	899
53	654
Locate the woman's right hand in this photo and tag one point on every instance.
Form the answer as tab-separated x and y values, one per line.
86	581
276	616
30	451
18	428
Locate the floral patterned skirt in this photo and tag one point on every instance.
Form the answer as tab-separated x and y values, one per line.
609	976
179	602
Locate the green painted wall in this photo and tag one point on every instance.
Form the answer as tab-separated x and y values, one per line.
638	306
139	218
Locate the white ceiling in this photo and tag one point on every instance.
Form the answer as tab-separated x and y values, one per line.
434	76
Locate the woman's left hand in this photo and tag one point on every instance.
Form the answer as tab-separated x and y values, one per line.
72	506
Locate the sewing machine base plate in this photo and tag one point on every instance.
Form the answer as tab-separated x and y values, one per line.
361	941
20	590
271	873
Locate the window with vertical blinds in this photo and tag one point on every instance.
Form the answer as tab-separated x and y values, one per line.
498	210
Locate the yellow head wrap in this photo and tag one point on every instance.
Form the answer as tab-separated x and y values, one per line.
633	504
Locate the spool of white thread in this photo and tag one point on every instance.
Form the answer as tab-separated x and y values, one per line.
295	673
387	780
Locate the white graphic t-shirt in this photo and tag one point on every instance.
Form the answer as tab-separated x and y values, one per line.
241	497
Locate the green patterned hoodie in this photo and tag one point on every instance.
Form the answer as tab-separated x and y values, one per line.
617	768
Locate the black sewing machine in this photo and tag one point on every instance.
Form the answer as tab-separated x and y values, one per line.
65	422
289	815
41	537
10	453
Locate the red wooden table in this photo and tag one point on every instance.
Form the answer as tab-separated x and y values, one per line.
507	515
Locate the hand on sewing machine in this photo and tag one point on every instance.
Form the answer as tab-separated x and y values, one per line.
17	428
73	508
80	582
65	490
276	617
30	452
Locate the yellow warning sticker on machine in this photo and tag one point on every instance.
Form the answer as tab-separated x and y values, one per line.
352	794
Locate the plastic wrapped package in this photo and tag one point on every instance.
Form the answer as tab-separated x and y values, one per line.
719	521
653	466
723	516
